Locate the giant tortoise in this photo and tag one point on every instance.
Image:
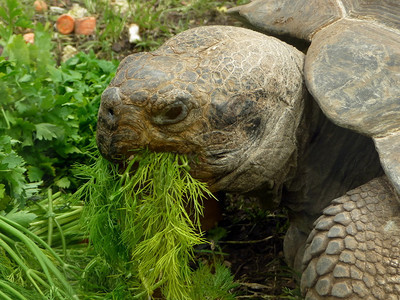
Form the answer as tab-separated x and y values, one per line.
317	133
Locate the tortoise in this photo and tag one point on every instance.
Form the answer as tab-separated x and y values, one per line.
315	132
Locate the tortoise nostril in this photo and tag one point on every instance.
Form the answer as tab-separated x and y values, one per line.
111	113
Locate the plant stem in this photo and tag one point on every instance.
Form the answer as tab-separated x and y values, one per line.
5	118
51	217
46	264
19	261
13	291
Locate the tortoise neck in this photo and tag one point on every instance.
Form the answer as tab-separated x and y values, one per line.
332	160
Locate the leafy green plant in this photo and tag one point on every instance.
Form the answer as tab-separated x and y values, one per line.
49	112
13	183
31	261
11	17
139	221
209	284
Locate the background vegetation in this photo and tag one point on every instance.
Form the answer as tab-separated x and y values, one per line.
47	125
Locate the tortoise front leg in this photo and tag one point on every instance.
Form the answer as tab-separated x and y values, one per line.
353	252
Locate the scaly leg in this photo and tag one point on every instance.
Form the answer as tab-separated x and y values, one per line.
353	252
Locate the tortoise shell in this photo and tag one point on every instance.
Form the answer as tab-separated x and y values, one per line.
352	67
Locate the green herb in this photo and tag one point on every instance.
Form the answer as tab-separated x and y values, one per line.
35	262
48	113
12	16
212	285
140	220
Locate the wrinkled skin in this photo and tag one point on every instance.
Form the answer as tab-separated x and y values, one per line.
192	96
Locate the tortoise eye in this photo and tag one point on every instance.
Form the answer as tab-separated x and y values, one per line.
171	114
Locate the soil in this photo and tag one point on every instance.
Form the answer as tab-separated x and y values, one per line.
252	241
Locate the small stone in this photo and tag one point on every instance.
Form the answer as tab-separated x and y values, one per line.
326	264
323	286
337	231
343	218
341	290
57	10
334	247
341	271
134	36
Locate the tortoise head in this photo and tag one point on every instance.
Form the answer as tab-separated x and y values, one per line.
229	96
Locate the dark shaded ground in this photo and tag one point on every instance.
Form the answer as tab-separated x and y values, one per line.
252	240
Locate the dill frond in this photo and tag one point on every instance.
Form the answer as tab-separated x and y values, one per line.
140	219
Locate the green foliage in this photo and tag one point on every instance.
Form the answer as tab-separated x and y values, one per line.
29	265
138	222
12	16
212	285
13	184
48	112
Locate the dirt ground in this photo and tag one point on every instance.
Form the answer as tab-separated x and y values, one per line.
251	239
